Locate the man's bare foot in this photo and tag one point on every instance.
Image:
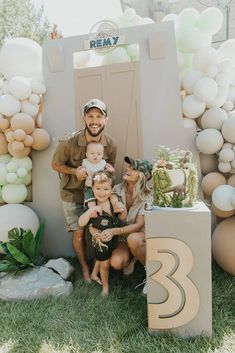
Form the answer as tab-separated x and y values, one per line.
96	279
86	275
105	292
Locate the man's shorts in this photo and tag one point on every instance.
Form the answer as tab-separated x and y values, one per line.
72	211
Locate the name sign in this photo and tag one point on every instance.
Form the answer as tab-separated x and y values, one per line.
104	36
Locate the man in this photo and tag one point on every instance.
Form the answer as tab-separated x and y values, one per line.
67	160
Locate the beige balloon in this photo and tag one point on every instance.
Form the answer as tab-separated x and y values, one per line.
4	124
220	213
23	121
223	245
19	135
208	163
231	180
3	144
18	154
41	139
28	141
211	181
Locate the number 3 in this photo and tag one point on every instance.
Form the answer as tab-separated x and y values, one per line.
182	302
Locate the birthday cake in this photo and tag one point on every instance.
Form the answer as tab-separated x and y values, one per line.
175	182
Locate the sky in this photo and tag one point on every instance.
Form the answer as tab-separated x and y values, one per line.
74	17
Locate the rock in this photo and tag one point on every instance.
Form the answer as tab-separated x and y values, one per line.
36	283
61	266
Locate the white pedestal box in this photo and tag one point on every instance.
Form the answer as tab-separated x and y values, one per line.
178	266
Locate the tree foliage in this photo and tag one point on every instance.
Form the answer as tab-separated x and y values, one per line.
20	18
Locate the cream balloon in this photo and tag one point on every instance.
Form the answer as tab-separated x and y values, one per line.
226	155
205	89
3	144
221	197
23	121
228	129
4	123
20	87
192	107
9	105
209	141
224	167
214	118
19	216
208	163
189	79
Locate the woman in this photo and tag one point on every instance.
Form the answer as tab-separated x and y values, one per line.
133	192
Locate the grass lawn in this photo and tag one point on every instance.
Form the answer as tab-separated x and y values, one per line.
85	323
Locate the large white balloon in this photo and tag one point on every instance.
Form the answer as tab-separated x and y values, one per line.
19	216
13	193
209	141
210	20
20	57
206	89
190	39
214	118
221	197
192	107
20	87
9	105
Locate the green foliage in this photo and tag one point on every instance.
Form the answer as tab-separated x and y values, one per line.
19	18
22	250
162	182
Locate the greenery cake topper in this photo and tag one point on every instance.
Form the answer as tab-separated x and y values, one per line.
170	167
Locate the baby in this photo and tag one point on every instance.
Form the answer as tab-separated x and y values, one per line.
93	163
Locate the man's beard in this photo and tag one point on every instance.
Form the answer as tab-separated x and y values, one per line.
94	134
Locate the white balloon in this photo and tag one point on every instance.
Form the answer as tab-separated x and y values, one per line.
190	39
188	17
219	100
224	167
228	106
226	155
211	71
13	193
192	107
205	89
204	58
221	197
20	57
226	65
38	87
189	123
11	177
231	93
19	87
190	78
119	55
210	20
228	130
227	50
81	59
9	105
34	98
12	167
133	50
3	174
19	216
22	172
213	118
25	162
209	141
223	78
29	108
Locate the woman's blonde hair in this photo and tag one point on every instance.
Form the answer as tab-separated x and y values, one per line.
141	190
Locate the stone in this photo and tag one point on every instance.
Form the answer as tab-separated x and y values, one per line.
61	266
36	283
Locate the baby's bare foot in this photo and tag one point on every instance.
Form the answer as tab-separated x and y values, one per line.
105	292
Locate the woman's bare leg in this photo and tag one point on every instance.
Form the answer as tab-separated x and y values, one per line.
136	244
95	273
104	274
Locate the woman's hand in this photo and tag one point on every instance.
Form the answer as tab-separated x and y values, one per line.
107	234
109	168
